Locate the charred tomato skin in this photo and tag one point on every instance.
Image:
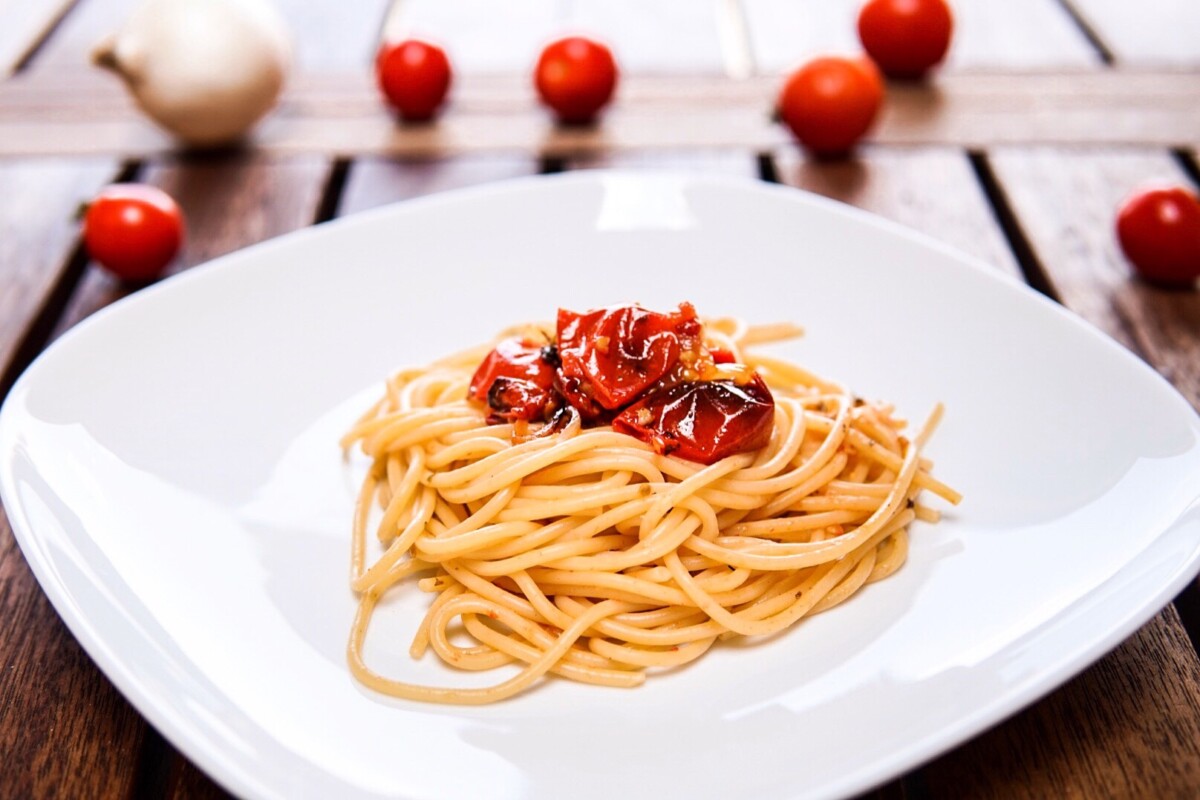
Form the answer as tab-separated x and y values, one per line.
516	380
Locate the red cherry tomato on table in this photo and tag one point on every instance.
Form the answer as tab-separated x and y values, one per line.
576	77
414	76
831	102
905	37
133	230
1159	231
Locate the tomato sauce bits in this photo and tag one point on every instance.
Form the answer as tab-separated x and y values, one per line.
646	373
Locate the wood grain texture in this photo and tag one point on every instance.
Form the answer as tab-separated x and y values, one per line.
38	232
1015	33
26	23
229	202
64	730
1148	31
934	191
376	181
1067	201
1128	727
342	113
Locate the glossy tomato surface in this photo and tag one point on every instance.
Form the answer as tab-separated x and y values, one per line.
414	77
516	380
133	230
576	78
1159	232
906	38
611	355
831	102
703	421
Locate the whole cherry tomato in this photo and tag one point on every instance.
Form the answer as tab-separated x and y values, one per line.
1159	230
576	77
830	102
414	76
905	37
133	230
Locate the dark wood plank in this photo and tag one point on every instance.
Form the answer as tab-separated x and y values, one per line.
1146	32
932	190
64	730
38	231
1017	33
26	23
1067	201
342	113
666	36
374	182
49	745
229	202
1129	727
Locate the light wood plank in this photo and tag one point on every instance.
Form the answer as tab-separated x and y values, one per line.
374	182
26	22
1129	727
666	36
934	191
325	36
1014	33
342	113
481	36
1146	32
1067	201
69	47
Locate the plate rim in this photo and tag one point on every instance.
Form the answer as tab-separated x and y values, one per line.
236	774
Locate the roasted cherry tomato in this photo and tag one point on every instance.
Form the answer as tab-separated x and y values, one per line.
702	421
905	37
133	230
1159	231
576	78
414	76
830	102
516	380
612	355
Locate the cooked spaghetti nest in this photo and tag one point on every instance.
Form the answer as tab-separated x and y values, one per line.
585	554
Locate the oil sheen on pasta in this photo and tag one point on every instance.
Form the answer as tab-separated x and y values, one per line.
619	492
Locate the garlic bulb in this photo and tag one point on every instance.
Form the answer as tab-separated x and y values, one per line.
206	70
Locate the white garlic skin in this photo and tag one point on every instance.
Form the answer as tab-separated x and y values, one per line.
205	70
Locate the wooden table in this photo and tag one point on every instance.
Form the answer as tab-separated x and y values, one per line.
1048	113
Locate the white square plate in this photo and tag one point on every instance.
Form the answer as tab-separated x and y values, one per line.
171	471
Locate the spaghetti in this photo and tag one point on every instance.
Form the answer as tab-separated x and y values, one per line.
565	546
